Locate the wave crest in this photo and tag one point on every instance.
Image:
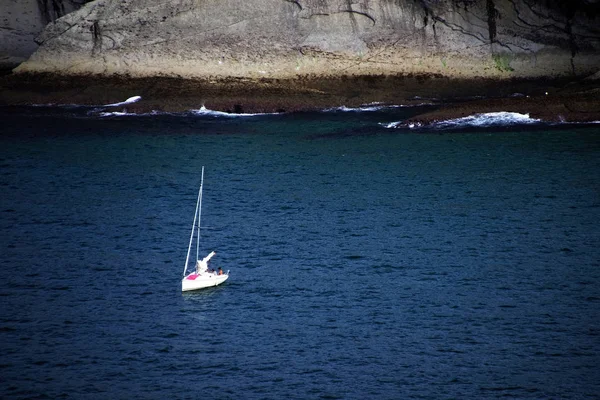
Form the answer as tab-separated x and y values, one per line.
483	120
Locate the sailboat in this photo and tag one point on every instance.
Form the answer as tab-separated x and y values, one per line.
202	276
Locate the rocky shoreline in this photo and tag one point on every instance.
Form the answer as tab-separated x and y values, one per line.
550	100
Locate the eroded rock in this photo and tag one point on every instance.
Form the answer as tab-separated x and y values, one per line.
253	39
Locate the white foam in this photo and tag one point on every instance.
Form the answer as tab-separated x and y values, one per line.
373	107
128	101
401	124
369	107
115	114
205	111
391	124
501	118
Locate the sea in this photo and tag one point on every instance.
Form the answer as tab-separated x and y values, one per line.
369	258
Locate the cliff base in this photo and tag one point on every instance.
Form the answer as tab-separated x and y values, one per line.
557	100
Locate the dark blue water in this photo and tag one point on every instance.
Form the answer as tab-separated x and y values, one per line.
365	262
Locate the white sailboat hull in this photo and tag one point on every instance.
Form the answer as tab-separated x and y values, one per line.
203	276
208	279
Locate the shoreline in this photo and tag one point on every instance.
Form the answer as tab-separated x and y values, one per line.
558	100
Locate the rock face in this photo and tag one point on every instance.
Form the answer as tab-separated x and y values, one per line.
290	38
22	20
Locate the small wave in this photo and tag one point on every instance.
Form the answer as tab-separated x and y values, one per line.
116	114
489	119
373	107
128	101
366	107
501	118
205	111
400	124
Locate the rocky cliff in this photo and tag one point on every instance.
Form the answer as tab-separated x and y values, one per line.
290	38
22	20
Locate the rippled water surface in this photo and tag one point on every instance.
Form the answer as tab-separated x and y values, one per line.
365	262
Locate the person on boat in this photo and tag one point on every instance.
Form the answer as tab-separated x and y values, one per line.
220	271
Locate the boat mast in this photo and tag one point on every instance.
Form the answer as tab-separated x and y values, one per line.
187	258
199	216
